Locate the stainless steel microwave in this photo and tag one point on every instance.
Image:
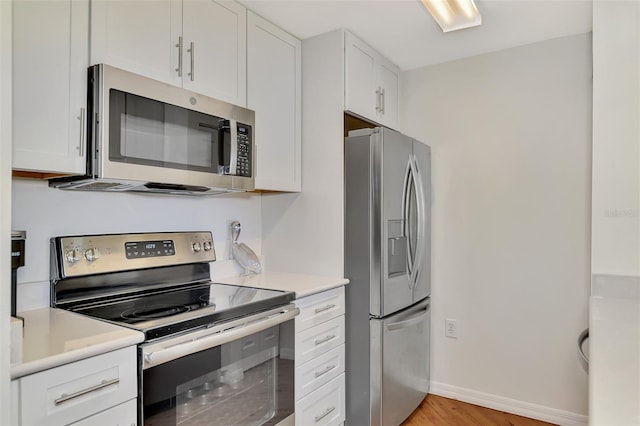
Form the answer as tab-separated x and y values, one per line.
146	135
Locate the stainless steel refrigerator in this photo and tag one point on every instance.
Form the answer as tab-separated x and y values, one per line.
388	263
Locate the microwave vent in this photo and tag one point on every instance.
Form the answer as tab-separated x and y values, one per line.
104	186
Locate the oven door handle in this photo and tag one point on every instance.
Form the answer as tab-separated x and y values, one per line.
162	352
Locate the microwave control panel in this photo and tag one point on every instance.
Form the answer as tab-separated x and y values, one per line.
244	164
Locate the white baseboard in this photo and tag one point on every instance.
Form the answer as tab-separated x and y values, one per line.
513	406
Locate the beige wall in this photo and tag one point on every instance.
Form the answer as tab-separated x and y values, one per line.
511	142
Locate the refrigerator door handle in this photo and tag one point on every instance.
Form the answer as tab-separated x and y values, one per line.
420	205
406	207
413	320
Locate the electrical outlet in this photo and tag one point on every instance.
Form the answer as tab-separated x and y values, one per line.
451	328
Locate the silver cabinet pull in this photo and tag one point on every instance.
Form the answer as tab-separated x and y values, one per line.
325	371
378	106
179	46
325	339
82	119
326	308
191	50
64	397
382	100
325	414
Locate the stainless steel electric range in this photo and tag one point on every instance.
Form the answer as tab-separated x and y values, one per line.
213	353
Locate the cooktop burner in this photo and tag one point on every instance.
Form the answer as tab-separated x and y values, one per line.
153	312
165	312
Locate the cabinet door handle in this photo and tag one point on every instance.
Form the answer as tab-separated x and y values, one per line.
179	46
325	339
191	50
103	384
378	100
326	308
325	371
382	100
82	119
325	414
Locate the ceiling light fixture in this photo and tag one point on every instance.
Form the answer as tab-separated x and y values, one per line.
453	15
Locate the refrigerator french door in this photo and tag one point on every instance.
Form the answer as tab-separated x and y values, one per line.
387	259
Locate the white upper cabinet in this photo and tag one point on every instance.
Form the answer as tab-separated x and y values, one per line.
371	83
197	44
141	37
274	93
215	49
50	59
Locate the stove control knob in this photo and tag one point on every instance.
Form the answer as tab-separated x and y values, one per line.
72	255
148	357
92	254
196	247
206	246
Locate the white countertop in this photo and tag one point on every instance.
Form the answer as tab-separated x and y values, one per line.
53	337
301	284
614	361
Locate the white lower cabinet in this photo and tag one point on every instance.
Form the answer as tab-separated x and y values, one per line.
320	359
124	414
99	390
325	406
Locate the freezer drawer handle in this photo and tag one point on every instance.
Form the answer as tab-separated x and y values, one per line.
325	414
415	319
325	371
325	339
103	384
326	308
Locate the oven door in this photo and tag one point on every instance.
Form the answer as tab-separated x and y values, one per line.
237	373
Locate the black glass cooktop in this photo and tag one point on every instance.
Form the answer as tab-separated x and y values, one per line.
166	312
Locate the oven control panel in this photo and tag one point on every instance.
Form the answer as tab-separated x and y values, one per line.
96	254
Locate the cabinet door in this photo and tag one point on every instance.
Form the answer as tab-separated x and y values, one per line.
121	415
215	49
388	80
274	93
138	36
50	85
361	95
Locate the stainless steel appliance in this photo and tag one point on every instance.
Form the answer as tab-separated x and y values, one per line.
145	135
387	260
213	353
18	239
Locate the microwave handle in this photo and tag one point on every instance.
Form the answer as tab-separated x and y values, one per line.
167	352
233	155
83	134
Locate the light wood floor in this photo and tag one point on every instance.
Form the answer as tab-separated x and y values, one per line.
438	411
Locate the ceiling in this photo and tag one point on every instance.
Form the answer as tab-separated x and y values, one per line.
404	32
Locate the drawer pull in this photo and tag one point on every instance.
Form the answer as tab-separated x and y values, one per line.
325	339
325	414
326	308
64	397
325	371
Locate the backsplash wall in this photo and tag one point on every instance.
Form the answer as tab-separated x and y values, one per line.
46	212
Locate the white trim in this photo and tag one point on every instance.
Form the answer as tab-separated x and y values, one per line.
513	406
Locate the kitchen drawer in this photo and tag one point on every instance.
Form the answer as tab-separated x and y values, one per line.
72	392
319	307
319	339
125	414
325	406
319	371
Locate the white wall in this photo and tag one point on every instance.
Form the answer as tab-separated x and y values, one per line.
46	212
511	142
616	138
305	232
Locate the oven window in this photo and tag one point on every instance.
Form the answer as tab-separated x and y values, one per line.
148	132
244	382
